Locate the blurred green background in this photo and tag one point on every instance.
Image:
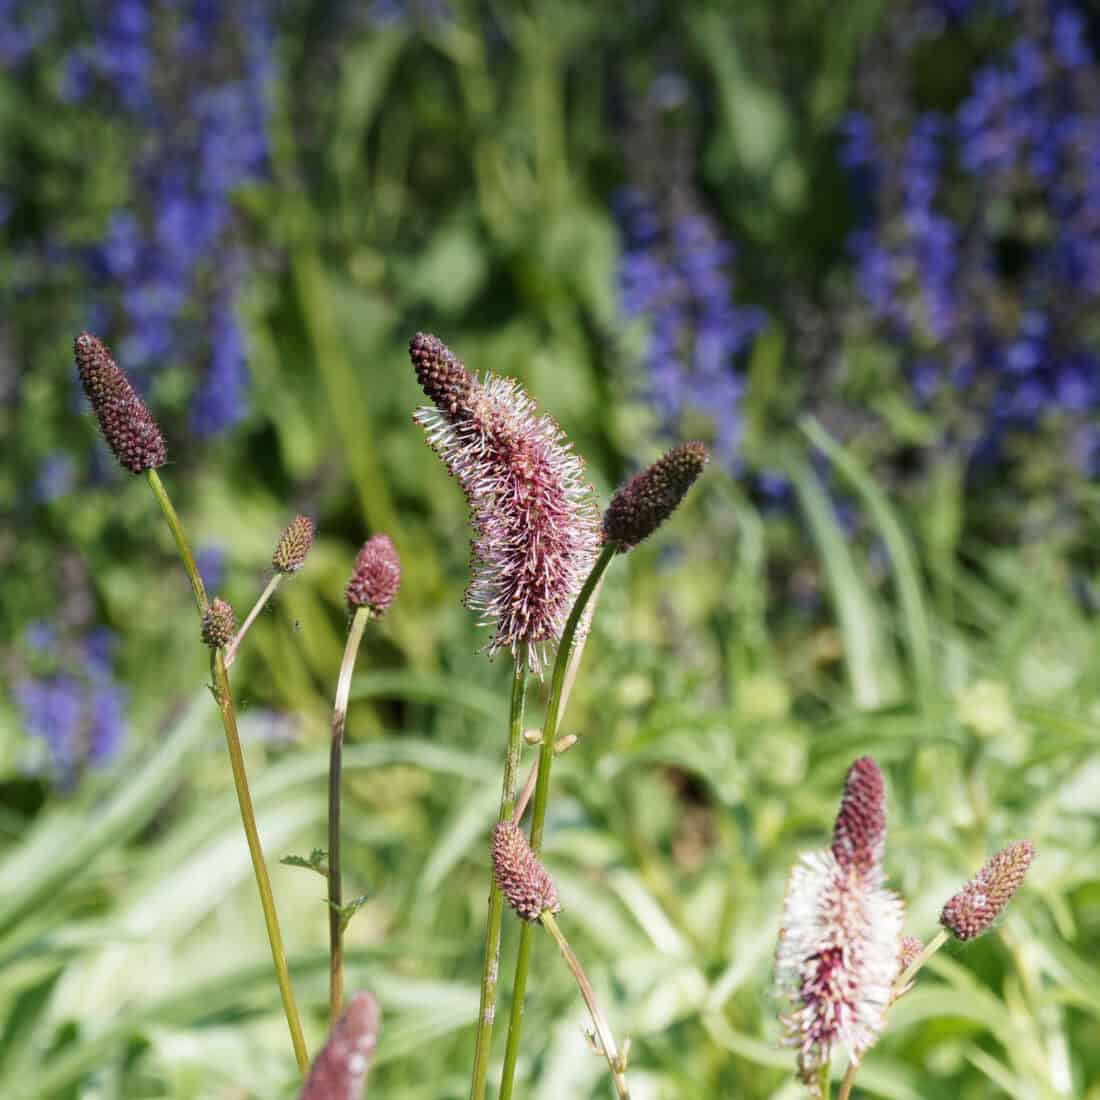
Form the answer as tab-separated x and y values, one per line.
856	247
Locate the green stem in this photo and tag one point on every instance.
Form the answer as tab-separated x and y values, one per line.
260	604
491	965
335	886
562	663
933	945
224	699
824	1082
603	1030
181	540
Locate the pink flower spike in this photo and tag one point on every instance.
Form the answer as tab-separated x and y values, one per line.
972	911
859	835
536	526
340	1070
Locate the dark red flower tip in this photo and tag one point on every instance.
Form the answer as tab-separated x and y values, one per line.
219	624
294	544
650	497
440	373
972	911
859	835
340	1070
522	879
376	576
126	424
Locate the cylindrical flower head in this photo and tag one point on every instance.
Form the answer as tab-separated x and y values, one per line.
219	624
972	911
650	497
376	576
524	882
294	544
859	835
837	960
534	517
340	1070
127	425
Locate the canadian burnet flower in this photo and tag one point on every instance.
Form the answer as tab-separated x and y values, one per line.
219	624
294	544
340	1070
971	912
376	576
840	937
127	425
522	879
535	521
651	496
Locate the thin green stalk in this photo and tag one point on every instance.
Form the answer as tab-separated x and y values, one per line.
824	1082
491	965
253	615
224	699
335	766
933	945
542	787
615	1060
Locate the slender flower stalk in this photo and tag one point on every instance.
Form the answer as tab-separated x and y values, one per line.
340	1070
253	615
491	963
135	438
370	591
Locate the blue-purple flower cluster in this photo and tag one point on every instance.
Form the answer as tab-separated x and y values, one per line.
73	706
675	272
980	251
190	80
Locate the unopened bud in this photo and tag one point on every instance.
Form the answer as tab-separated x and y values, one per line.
376	576
972	911
293	546
522	879
650	497
859	835
219	624
440	373
340	1070
126	424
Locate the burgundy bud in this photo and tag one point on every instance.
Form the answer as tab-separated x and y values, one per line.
522	879
440	373
293	546
219	624
650	497
340	1070
376	576
909	949
972	911
127	425
859	835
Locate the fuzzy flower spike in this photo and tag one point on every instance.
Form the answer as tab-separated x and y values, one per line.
340	1070
972	911
841	934
127	425
535	521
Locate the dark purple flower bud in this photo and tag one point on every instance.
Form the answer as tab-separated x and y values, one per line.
376	576
293	546
440	373
972	911
340	1070
650	497
859	835
522	879
127	425
219	624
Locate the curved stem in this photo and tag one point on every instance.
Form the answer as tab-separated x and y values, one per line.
335	886
224	699
599	1021
261	603
933	945
491	964
562	663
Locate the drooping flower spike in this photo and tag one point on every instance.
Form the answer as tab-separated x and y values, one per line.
840	937
524	882
127	425
340	1070
650	497
536	526
971	912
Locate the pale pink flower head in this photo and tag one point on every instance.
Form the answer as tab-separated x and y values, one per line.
340	1070
841	934
972	911
536	525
